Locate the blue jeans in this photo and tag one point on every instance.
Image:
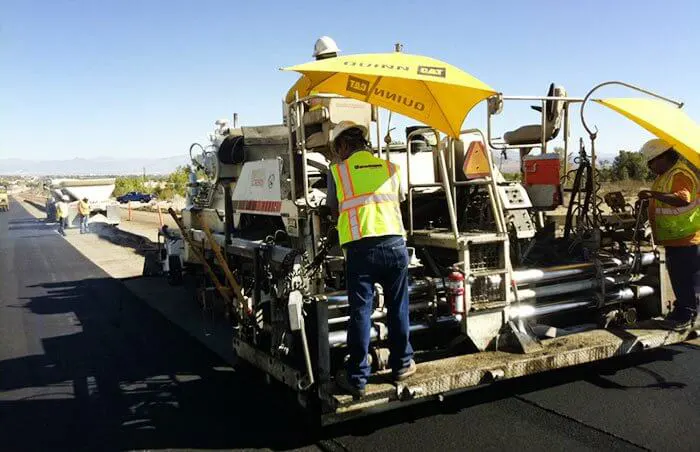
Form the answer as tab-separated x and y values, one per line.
84	229
62	225
382	260
683	264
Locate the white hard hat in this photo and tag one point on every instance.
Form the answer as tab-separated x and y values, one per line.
325	45
654	148
344	126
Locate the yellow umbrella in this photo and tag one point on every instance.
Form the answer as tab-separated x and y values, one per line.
302	86
664	120
436	93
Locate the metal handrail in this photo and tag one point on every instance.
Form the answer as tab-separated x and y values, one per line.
592	134
408	172
627	85
543	100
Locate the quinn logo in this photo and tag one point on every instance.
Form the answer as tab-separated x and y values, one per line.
357	85
432	71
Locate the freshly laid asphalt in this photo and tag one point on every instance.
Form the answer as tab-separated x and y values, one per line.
87	365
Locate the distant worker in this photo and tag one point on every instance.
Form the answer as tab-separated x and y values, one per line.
674	215
324	48
84	211
62	215
364	195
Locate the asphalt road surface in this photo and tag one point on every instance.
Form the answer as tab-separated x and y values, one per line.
85	365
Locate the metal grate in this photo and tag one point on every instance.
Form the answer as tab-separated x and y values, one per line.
485	256
486	289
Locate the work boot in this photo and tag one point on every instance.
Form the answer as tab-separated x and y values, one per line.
678	321
343	382
406	372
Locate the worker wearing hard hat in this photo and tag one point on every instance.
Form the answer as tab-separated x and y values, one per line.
62	214
364	195
84	211
324	48
674	214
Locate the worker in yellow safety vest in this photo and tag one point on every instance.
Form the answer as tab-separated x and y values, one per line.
84	211
674	215
364	193
62	214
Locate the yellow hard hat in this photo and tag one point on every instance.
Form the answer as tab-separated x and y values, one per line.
654	148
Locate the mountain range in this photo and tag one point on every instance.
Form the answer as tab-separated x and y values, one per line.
104	166
98	166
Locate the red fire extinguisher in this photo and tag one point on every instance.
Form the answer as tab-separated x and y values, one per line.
455	292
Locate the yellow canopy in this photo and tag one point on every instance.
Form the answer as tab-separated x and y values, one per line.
302	85
433	92
664	120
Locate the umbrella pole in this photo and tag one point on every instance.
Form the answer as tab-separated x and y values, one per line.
379	132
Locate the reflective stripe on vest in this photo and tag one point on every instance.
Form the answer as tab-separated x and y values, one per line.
368	199
673	223
361	200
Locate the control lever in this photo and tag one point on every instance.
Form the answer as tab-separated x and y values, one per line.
327	243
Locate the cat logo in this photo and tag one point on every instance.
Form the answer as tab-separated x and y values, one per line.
357	85
432	71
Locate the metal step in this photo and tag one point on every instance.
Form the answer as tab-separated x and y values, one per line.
435	378
490	272
446	239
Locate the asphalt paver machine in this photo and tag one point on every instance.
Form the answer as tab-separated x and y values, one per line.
498	289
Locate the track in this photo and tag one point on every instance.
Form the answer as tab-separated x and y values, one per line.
84	364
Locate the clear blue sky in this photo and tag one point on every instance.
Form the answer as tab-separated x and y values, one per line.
146	78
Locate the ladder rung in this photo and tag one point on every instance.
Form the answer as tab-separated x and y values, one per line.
498	271
483	237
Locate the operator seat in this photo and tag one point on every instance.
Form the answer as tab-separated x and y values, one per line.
532	134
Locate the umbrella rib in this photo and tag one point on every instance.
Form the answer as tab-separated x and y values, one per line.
427	87
330	74
374	85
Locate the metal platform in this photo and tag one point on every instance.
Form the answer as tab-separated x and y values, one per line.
435	378
446	239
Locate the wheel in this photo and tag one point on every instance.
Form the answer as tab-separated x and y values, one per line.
175	272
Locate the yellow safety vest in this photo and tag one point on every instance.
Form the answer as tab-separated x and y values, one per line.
368	190
673	223
83	208
61	209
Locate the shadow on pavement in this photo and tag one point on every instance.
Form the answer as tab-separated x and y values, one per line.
112	234
125	378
